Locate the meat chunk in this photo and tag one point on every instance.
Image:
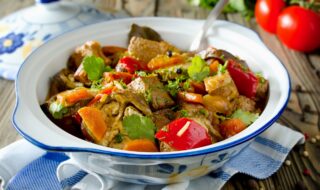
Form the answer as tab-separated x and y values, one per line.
163	117
221	85
63	80
204	117
245	104
139	46
262	89
88	49
153	90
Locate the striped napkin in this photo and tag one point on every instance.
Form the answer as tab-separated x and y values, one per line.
52	170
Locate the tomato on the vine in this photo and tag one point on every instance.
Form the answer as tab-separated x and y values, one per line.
299	28
267	12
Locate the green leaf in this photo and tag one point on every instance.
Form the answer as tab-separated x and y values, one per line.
245	116
57	110
94	66
139	127
198	70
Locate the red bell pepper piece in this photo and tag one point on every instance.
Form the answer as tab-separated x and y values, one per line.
245	80
131	65
184	134
124	76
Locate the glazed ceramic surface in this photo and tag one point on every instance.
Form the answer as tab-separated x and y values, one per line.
25	30
160	167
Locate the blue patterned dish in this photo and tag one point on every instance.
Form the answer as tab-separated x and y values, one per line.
153	168
25	30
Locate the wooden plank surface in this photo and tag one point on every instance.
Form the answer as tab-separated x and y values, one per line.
302	113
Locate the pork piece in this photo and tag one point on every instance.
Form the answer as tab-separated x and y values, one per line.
163	117
88	49
144	50
245	104
222	85
262	89
153	90
200	114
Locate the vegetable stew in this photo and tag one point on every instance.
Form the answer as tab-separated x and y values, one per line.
152	96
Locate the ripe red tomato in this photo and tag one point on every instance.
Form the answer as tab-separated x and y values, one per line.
267	12
299	28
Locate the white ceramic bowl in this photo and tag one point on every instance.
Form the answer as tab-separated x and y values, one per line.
161	167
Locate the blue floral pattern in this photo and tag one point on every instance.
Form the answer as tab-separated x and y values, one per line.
10	42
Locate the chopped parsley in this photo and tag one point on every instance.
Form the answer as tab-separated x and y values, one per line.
95	67
97	84
118	138
173	87
222	68
57	110
141	73
198	70
148	95
260	77
203	112
139	127
184	113
245	116
186	85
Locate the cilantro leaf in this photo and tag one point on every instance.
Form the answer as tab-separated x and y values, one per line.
94	66
245	116
139	127
57	110
198	70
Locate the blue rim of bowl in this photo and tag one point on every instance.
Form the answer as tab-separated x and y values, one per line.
152	156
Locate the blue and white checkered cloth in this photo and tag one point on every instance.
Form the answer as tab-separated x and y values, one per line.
24	166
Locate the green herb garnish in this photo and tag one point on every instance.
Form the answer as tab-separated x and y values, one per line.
97	84
173	87
245	116
222	68
95	67
141	73
139	127
57	110
184	113
118	138
198	70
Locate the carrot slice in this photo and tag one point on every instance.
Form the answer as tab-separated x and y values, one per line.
70	97
94	121
231	127
214	66
190	97
141	145
162	61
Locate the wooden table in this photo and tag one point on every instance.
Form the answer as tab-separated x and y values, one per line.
302	113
